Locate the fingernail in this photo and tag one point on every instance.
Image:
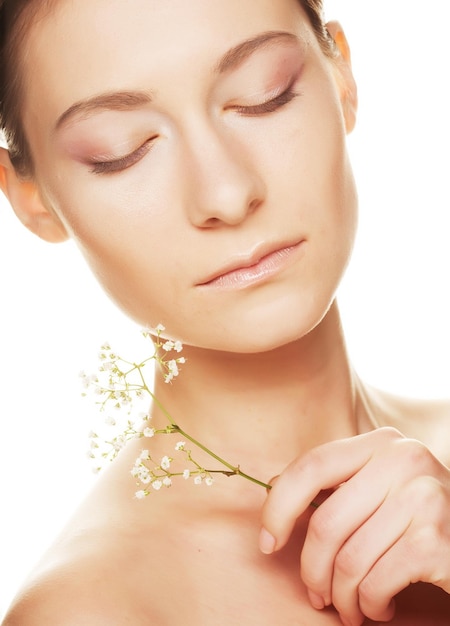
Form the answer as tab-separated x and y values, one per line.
266	542
317	602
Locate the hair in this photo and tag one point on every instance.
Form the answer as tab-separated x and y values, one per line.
15	19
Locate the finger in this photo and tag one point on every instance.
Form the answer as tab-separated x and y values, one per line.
332	524
323	467
357	556
422	553
377	590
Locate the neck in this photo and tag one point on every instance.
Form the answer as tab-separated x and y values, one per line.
262	410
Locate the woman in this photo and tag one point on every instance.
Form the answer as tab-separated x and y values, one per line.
201	167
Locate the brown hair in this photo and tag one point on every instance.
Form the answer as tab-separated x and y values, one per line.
12	32
15	16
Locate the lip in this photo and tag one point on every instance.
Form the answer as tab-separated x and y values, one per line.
263	263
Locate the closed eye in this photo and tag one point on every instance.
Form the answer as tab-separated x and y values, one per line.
270	106
119	164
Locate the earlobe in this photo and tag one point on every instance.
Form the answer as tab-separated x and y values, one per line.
347	84
25	199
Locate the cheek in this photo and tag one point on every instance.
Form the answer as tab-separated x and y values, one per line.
125	242
106	216
140	281
308	166
314	168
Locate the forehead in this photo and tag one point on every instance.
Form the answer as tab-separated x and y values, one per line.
97	38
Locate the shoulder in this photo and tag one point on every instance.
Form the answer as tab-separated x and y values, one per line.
100	587
74	598
104	569
425	420
56	608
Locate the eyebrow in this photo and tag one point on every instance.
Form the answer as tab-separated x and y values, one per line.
109	101
130	100
240	53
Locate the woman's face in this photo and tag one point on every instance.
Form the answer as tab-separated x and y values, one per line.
196	153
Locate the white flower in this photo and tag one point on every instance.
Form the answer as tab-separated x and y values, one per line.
186	474
209	481
140	495
160	328
144	475
172	366
172	345
165	463
181	360
144	456
110	421
88	380
149	432
198	480
119	443
167	481
157	484
180	446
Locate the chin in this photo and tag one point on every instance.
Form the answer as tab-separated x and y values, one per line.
259	333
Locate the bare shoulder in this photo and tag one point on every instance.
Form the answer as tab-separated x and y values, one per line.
75	597
90	578
100	587
425	420
55	603
106	566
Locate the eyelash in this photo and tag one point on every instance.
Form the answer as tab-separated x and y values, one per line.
123	163
271	105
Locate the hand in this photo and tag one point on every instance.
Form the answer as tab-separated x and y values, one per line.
385	525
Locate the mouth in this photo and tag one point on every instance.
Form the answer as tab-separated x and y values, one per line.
255	268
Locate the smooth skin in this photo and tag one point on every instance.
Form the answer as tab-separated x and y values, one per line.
212	136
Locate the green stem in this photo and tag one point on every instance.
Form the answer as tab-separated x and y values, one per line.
235	470
163	409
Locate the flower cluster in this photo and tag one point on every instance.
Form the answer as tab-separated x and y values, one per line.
169	367
120	389
157	475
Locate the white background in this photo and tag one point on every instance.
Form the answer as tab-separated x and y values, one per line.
394	299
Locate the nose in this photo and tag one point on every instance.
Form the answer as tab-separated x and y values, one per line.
223	183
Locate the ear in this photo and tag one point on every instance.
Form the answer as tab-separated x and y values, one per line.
25	199
346	81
